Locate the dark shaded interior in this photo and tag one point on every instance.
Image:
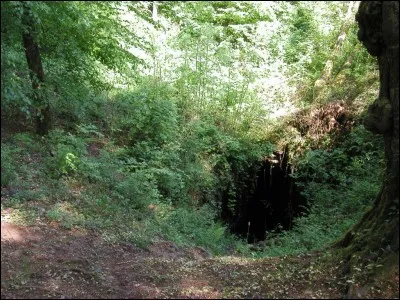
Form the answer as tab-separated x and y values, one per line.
272	204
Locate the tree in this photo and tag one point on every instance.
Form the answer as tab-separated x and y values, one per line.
36	73
326	73
73	51
377	233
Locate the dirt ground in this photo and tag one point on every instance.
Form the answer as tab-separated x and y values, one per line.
47	261
50	262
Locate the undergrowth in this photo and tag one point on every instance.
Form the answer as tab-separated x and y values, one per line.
156	160
138	194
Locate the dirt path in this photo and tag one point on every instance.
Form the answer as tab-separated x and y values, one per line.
46	261
51	262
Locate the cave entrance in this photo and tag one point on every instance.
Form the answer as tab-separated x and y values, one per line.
272	205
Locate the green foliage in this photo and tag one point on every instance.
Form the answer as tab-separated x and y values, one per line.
66	215
359	62
302	26
104	169
8	173
15	87
68	150
190	227
138	190
187	139
321	166
147	114
18	154
83	50
95	33
355	168
89	130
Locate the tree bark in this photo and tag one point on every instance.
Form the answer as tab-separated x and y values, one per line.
378	230
154	12
32	53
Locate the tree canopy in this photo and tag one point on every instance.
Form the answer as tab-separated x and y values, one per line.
250	128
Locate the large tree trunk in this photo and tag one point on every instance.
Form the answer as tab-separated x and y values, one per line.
43	119
377	233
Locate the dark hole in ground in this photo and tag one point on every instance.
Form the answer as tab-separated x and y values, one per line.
271	203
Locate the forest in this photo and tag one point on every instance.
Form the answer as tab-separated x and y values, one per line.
199	149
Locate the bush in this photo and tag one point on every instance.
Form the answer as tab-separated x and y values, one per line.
68	151
355	168
138	190
103	169
145	115
196	227
8	173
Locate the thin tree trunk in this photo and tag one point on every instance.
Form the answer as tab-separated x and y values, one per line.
155	12
326	73
345	26
43	119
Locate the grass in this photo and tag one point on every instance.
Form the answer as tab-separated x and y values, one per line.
126	204
97	202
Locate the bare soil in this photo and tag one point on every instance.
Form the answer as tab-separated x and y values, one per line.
48	261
